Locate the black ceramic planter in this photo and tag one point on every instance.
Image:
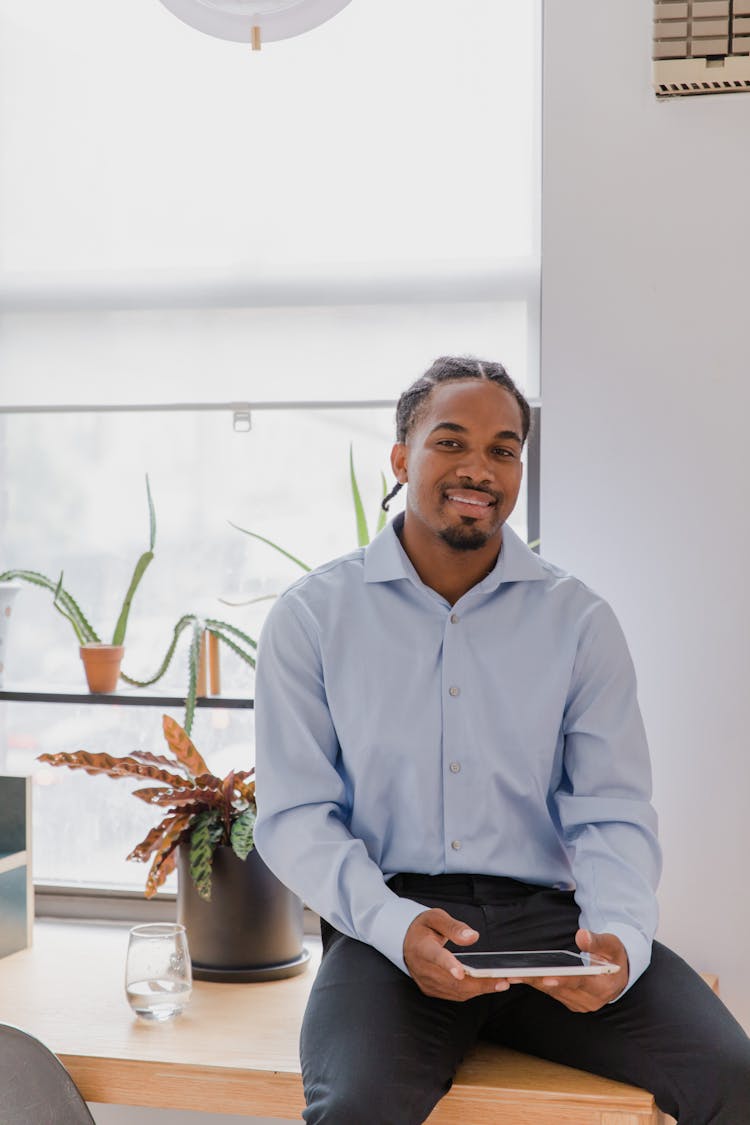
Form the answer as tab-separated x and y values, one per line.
252	928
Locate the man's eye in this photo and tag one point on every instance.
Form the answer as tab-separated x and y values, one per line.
449	442
502	452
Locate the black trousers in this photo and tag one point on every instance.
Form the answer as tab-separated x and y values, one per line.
377	1051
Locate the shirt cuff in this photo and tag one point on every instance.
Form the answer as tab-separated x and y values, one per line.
637	948
389	928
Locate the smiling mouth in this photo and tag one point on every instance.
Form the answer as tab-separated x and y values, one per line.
470	501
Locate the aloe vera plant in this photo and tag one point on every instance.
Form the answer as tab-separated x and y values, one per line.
64	602
202	811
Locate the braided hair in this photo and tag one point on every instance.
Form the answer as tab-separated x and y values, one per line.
449	369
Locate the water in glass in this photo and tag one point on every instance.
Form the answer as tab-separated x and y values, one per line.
158	975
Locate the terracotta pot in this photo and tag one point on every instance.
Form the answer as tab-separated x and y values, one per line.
251	929
102	666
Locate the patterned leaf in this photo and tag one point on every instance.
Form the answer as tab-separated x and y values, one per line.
241	837
142	851
200	798
163	865
113	767
182	747
157	760
227	787
206	834
246	789
208	781
172	824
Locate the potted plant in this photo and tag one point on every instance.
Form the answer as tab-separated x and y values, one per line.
101	661
242	923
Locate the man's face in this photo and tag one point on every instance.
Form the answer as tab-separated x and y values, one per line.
462	463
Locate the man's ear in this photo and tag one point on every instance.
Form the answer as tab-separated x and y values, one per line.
399	460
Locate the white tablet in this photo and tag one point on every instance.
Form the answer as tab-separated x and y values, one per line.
534	963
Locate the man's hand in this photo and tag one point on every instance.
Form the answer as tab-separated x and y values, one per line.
588	994
433	967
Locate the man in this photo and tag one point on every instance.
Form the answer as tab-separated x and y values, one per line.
450	755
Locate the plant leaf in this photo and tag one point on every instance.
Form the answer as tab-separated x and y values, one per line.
234	647
142	851
199	798
207	781
122	621
113	767
182	747
206	834
140	567
163	865
151	517
382	514
182	624
63	602
241	837
214	626
157	760
245	788
250	601
270	543
164	846
363	534
194	658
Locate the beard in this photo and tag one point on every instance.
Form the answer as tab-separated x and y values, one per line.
465	536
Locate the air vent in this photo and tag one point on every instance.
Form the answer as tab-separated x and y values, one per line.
701	47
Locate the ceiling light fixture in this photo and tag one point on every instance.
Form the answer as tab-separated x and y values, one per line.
254	21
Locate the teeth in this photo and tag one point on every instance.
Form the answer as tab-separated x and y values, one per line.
464	500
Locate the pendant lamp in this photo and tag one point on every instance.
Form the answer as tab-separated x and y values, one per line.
254	21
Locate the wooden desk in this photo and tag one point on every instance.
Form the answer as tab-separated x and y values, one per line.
234	1049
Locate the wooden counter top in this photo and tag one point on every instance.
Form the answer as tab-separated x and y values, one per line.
234	1048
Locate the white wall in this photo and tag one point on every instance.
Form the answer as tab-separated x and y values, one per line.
646	307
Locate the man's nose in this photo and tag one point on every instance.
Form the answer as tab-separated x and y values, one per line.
474	466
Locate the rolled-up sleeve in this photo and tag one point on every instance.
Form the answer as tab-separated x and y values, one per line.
301	830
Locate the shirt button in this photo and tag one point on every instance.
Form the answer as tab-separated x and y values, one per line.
455	767
454	691
454	619
456	845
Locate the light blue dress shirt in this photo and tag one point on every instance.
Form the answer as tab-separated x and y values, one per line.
497	736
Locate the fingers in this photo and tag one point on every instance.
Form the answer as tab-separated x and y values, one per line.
589	993
433	967
449	928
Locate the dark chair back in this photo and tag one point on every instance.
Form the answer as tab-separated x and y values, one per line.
35	1088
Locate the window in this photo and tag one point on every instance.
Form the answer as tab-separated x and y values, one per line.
185	223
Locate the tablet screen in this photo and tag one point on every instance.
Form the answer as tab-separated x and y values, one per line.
538	962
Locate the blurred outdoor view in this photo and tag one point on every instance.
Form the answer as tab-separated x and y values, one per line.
182	223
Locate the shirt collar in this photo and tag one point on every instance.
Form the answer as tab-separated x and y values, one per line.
386	560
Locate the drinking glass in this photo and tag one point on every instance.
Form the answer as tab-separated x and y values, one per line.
158	975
